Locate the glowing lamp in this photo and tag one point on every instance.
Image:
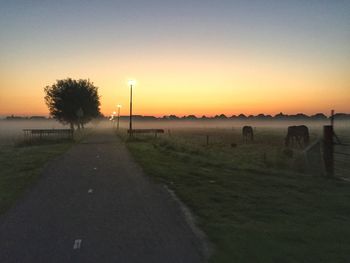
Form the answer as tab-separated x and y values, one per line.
131	82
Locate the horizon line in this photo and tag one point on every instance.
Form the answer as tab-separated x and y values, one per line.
194	116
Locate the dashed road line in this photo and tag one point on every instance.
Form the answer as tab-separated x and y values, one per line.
77	244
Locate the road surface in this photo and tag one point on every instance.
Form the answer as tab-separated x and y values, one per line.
93	204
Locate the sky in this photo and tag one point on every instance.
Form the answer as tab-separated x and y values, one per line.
187	56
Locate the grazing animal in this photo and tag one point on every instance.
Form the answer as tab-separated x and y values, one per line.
297	135
247	133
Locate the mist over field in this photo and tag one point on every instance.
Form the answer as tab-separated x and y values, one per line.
12	130
314	126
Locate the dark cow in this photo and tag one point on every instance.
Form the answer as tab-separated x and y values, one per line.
247	133
297	135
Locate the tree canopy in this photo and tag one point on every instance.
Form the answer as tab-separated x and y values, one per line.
73	102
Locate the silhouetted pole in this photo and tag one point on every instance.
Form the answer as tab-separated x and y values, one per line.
332	117
119	106
130	122
328	150
113	120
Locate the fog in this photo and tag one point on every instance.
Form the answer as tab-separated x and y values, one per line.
12	130
221	124
315	127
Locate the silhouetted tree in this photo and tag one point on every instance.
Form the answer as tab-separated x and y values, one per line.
280	116
342	116
75	102
260	116
319	116
220	117
242	116
190	117
173	117
298	116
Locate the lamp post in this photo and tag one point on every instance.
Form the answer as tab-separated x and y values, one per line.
118	106
131	84
113	114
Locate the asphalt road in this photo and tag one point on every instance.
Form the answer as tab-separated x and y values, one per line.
93	204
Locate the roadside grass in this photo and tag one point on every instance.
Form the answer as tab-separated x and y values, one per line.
21	166
252	209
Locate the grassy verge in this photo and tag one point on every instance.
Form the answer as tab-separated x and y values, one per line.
253	215
21	166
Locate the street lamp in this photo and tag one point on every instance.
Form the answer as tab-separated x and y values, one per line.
118	106
131	84
113	121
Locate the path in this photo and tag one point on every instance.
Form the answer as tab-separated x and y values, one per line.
93	204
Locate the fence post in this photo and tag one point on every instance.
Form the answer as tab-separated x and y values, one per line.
332	117
328	150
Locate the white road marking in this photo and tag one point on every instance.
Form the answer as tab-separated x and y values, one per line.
90	191
95	168
77	244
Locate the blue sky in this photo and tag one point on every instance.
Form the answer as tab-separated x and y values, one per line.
302	33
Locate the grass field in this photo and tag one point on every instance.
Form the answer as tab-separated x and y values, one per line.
21	161
20	168
11	131
254	201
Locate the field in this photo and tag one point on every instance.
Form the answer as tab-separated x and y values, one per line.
11	131
222	140
256	202
20	163
20	168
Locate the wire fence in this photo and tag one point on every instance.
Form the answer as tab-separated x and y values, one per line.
342	156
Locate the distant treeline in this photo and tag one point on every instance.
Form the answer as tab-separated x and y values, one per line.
240	117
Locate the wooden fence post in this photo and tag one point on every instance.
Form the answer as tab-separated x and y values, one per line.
328	150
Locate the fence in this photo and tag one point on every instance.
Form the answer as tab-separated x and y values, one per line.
40	134
330	155
342	156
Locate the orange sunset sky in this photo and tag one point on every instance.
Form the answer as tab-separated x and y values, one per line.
188	57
